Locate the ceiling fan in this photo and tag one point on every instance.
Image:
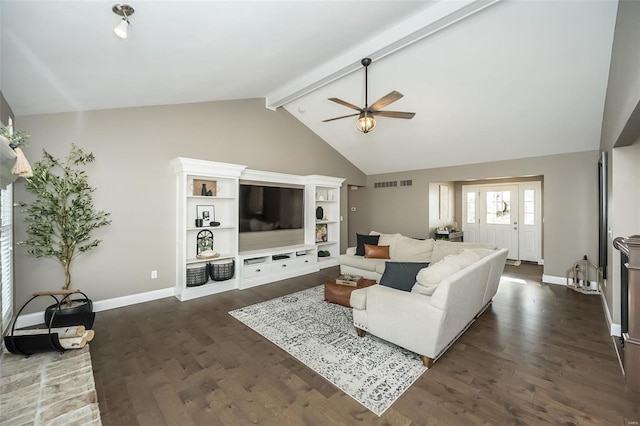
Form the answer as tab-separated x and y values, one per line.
366	122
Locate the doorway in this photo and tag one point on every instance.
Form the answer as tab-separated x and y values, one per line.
506	215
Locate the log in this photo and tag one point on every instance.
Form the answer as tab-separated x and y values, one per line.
77	342
63	332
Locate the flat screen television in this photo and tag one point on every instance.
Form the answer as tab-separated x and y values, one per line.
270	208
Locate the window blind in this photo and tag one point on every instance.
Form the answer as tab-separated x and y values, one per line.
6	255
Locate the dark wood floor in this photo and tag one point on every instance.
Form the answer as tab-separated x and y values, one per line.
540	354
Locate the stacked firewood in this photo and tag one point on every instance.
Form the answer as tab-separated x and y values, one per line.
75	337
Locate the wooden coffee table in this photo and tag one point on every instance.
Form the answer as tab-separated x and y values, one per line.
340	294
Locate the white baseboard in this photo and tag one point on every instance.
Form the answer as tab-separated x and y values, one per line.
616	330
119	302
550	279
28	320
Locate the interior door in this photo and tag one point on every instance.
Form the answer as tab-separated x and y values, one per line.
499	224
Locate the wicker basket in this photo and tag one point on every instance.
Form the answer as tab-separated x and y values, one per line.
197	275
221	270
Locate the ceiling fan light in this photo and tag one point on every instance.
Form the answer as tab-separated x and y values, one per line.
121	29
365	123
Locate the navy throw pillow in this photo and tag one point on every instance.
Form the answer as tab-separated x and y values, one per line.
365	239
401	275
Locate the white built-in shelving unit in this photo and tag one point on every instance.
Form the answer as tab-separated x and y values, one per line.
222	179
255	267
326	230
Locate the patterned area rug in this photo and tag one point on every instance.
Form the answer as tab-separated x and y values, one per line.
322	336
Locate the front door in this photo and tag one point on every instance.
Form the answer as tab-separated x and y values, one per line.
500	224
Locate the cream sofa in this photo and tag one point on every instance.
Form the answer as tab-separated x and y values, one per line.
401	249
447	297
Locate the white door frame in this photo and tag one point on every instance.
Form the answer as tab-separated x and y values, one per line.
529	236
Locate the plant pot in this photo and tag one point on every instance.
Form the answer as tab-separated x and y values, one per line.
78	312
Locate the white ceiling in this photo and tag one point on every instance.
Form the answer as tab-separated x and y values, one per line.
517	79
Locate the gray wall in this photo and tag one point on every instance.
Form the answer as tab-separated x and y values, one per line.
134	181
570	203
621	127
623	90
625	217
5	111
434	206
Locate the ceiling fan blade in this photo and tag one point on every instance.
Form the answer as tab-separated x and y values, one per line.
386	100
338	118
395	114
347	104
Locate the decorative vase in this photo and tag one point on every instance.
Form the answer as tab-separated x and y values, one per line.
203	191
319	213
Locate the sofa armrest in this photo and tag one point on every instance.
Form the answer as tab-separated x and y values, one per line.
358	299
351	251
404	318
391	300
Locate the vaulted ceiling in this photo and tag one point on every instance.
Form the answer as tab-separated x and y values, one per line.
488	80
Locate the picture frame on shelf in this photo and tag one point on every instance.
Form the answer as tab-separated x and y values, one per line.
206	213
321	233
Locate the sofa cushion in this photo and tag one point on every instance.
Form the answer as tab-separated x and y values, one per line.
444	248
401	275
465	257
428	279
361	262
387	240
376	252
365	239
483	252
413	250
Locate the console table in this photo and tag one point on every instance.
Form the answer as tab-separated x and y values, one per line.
456	236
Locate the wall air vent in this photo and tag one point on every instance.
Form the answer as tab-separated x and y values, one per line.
389	184
407	182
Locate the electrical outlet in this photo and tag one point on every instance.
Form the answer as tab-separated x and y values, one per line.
154	275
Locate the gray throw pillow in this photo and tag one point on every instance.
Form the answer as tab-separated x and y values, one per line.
401	275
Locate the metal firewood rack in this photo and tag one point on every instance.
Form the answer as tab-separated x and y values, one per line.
28	345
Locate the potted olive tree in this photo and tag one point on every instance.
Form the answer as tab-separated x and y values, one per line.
61	219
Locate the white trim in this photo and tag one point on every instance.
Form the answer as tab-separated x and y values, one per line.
615	329
208	289
550	279
133	299
28	320
35	318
